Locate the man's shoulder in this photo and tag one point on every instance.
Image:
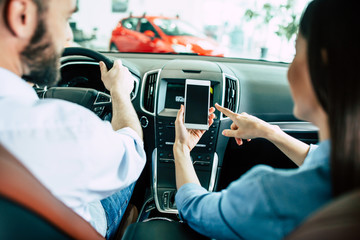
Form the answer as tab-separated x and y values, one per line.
45	113
58	106
66	112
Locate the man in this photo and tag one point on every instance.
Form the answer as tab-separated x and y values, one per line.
79	158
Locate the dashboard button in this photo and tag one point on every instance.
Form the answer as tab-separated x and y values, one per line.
103	98
204	163
166	160
144	121
97	109
201	163
166	199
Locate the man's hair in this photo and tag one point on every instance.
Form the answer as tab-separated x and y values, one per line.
41	5
332	25
37	2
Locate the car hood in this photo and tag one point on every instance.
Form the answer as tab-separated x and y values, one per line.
204	44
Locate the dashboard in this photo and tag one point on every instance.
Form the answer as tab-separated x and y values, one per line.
258	88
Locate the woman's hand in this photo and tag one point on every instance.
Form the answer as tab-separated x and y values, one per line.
189	137
244	126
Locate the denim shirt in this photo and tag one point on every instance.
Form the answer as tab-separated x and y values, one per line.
265	203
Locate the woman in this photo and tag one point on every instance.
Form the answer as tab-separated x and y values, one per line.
267	203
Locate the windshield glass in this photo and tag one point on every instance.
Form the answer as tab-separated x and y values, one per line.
175	27
256	29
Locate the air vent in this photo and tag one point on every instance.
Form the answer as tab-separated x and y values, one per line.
231	91
135	89
149	91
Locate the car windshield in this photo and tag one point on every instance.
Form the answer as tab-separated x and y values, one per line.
175	27
256	29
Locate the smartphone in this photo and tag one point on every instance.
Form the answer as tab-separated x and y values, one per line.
197	103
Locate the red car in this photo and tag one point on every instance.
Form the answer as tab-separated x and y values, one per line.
161	35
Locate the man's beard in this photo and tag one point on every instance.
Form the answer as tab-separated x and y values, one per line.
41	58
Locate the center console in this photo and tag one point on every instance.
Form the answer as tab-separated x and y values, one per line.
204	158
167	88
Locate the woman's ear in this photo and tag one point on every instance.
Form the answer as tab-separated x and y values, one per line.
21	18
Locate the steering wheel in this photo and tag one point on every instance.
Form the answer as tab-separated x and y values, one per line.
70	51
92	99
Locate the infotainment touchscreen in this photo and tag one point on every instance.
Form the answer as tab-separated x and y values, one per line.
175	95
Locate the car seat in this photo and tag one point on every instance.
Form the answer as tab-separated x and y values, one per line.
340	219
29	211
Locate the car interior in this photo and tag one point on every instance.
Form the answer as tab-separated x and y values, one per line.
258	88
247	73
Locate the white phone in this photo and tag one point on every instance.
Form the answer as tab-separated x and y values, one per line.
197	103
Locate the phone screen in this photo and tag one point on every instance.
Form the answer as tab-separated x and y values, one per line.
197	104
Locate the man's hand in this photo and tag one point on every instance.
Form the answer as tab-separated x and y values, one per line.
118	78
189	137
120	84
244	126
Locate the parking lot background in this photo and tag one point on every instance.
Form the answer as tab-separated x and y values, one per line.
222	20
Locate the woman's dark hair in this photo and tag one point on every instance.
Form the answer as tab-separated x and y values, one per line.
331	29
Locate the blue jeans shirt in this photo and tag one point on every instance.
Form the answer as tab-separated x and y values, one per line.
265	203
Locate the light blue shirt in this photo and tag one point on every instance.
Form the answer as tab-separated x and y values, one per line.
75	154
265	203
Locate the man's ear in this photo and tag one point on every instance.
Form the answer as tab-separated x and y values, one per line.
21	18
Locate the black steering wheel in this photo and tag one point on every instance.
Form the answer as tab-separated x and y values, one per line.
97	101
70	51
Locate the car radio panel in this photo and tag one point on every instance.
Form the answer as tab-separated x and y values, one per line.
171	94
202	157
